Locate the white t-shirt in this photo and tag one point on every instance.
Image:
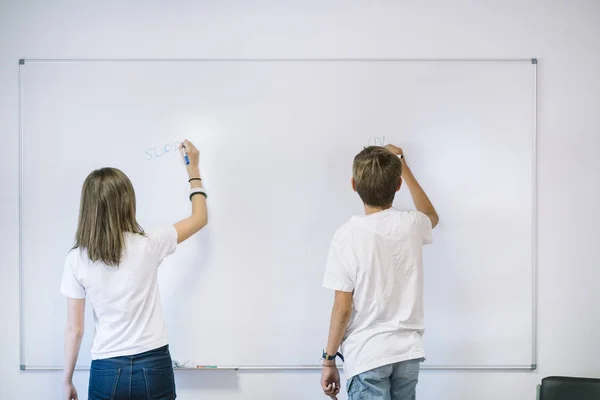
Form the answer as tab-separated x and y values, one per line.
128	316
379	258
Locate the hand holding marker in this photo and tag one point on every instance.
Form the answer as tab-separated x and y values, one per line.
190	155
185	156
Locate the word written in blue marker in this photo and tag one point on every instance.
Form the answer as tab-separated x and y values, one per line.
376	141
164	150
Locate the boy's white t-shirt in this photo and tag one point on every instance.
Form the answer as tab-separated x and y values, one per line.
128	315
379	258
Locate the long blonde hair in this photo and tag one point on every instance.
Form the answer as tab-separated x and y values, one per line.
106	213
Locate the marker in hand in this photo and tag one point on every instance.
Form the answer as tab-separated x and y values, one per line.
185	156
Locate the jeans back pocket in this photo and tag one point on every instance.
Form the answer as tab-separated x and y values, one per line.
160	383
103	383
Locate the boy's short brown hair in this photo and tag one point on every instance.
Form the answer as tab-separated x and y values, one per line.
376	172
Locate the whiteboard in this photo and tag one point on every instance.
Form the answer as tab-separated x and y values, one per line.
277	139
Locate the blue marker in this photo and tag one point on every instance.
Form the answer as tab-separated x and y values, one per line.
185	156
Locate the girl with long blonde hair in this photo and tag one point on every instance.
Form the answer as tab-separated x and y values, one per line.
114	266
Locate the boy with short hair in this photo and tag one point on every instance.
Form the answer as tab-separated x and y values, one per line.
375	266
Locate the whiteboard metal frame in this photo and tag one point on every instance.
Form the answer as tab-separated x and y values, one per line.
308	368
23	61
534	228
20	221
534	231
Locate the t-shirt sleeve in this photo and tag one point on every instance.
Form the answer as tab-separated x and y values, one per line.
70	286
338	271
164	242
424	227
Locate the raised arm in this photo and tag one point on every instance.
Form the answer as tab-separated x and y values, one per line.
419	197
199	217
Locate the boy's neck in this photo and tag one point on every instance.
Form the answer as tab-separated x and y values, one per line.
375	209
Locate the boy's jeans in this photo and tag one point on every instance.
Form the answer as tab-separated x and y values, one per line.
389	382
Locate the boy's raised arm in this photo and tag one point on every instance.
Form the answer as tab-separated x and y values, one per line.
419	197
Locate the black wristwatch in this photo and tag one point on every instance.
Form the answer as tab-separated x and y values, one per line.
329	357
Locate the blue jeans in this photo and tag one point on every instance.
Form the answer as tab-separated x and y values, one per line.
390	382
145	376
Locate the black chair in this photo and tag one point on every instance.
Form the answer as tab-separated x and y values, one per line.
569	388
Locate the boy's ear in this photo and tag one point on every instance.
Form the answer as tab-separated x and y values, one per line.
353	184
399	184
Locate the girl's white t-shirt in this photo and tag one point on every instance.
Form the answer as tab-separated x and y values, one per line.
125	300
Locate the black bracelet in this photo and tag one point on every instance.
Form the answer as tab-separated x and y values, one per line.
194	179
202	193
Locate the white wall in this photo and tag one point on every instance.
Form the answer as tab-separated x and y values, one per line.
564	35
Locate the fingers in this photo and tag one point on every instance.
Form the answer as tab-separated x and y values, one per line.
331	390
189	146
71	395
394	149
332	394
